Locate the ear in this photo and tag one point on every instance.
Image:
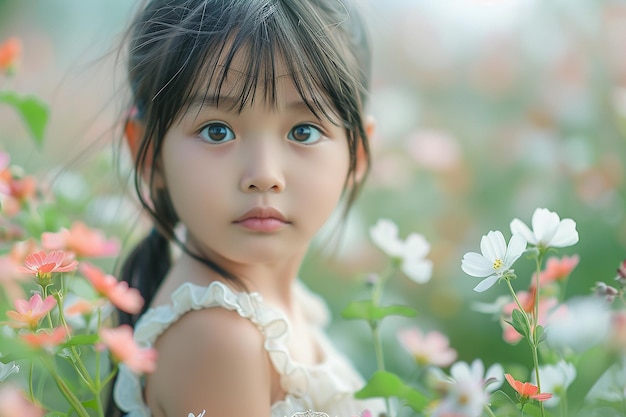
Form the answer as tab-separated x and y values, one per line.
361	155
134	131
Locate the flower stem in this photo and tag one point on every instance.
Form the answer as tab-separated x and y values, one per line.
534	329
377	291
531	339
31	391
65	390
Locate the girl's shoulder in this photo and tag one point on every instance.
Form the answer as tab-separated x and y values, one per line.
222	347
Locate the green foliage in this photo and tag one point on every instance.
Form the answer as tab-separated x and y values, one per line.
388	385
368	310
33	111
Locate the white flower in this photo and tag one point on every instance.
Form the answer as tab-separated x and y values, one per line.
7	369
410	252
199	415
611	386
496	259
578	325
555	379
548	230
468	392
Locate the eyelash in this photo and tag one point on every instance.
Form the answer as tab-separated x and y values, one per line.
229	135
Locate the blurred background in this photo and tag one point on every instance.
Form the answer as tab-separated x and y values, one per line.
486	110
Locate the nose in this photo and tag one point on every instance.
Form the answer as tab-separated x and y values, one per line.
263	167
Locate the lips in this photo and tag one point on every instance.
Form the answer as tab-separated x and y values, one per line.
262	213
262	219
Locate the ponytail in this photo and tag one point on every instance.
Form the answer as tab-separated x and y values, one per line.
144	269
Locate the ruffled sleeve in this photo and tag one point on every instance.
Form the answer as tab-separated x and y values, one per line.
327	387
128	390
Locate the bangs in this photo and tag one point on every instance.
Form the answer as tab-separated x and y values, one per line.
258	41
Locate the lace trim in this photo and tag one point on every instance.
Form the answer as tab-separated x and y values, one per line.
272	323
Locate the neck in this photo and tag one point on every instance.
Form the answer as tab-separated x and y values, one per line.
272	280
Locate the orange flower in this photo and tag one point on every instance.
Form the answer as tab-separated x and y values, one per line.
46	339
527	390
81	240
44	264
10	54
29	313
125	298
23	189
124	349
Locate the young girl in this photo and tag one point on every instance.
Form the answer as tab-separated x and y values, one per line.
248	132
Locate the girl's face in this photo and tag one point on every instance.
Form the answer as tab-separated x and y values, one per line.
255	186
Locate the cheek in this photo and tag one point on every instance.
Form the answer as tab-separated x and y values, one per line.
321	187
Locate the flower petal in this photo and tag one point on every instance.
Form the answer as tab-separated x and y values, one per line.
566	234
384	234
493	245
519	227
486	283
545	224
418	270
476	265
416	245
517	246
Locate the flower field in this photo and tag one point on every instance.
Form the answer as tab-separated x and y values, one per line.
480	273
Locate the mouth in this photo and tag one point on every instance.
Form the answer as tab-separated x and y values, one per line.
262	219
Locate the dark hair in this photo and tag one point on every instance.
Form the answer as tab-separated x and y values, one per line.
174	49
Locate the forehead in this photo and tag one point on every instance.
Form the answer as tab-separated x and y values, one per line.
246	76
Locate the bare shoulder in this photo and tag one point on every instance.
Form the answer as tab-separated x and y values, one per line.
211	359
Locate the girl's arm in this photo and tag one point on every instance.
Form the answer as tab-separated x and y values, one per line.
211	360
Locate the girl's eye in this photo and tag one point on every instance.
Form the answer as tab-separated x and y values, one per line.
305	134
216	133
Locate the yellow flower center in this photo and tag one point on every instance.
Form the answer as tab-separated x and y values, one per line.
497	264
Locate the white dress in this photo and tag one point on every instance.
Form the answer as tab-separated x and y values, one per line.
327	387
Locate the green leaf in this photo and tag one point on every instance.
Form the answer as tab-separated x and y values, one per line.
33	111
540	334
366	310
590	367
386	385
520	323
533	410
504	405
14	349
55	414
81	339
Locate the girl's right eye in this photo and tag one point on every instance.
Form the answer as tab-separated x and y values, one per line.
216	133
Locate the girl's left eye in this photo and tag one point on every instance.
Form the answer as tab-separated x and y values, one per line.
306	134
216	133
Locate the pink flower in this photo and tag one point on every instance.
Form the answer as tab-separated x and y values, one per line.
124	349
46	339
125	298
82	241
29	313
432	348
546	305
81	307
13	403
557	269
44	264
527	390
